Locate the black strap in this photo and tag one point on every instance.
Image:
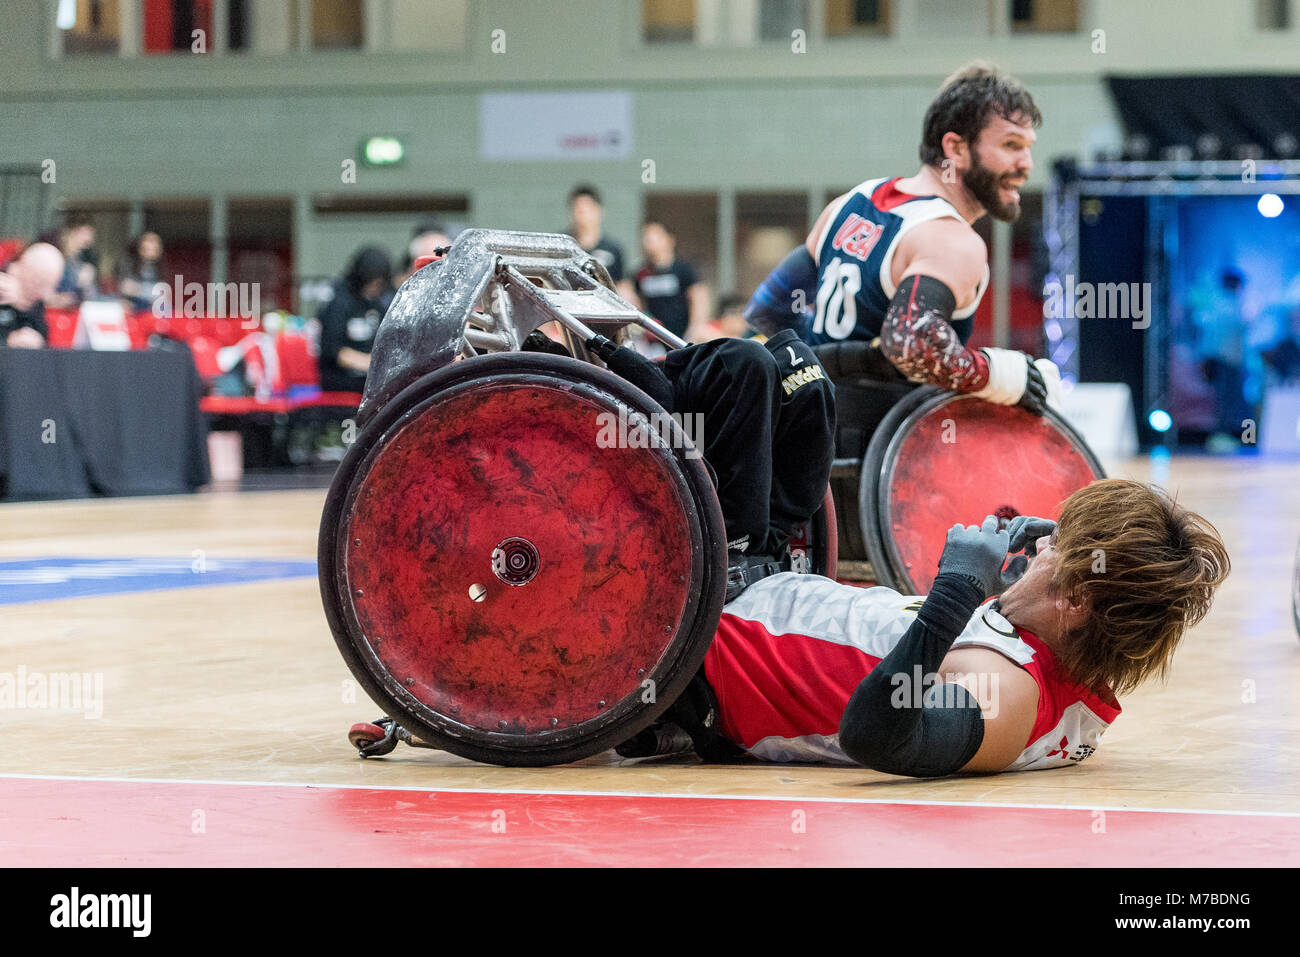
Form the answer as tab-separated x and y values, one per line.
743	571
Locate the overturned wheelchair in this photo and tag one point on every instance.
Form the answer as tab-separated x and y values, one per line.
505	585
511	589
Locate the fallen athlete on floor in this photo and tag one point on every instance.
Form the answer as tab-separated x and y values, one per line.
803	668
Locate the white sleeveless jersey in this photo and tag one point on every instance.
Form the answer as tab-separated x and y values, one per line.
791	650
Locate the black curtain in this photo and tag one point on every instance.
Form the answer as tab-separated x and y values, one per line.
1177	110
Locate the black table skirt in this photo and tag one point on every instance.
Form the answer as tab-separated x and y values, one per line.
77	423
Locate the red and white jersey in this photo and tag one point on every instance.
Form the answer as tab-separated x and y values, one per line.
792	649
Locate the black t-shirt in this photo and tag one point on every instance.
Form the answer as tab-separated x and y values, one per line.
610	255
347	321
11	319
664	293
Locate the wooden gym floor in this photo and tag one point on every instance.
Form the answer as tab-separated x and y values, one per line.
218	734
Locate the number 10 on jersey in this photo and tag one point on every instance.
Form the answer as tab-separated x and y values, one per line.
837	305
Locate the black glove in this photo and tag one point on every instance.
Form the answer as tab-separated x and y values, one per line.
976	553
1025	531
1035	398
539	341
635	368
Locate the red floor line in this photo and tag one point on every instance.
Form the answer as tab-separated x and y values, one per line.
63	823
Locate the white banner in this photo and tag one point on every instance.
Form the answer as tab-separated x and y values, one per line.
102	326
581	125
1102	412
1280	428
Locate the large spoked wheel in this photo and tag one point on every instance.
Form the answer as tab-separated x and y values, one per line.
939	458
520	561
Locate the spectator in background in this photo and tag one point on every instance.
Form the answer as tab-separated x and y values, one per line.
140	270
80	279
668	287
1222	330
586	225
349	321
429	236
25	284
730	323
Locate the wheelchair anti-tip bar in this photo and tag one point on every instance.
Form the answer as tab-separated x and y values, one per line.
595	303
490	291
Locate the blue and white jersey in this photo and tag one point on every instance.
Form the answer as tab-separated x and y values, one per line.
855	255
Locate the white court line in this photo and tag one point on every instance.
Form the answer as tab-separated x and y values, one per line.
650	794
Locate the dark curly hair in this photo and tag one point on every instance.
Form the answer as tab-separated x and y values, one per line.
966	102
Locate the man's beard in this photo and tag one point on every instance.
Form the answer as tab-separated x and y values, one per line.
983	184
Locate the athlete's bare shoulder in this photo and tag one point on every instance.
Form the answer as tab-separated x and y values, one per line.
811	242
1007	695
947	249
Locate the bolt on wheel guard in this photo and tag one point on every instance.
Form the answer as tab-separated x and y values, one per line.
501	582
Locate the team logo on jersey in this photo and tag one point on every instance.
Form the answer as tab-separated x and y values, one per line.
858	236
1080	753
801	378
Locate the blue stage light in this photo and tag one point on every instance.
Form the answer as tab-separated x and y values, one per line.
1160	420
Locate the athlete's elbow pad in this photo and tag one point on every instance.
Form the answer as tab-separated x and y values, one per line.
916	296
942	742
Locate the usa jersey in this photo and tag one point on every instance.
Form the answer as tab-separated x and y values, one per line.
792	649
855	256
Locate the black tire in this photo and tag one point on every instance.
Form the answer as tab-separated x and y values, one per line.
873	465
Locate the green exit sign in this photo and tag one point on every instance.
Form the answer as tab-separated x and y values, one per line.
382	151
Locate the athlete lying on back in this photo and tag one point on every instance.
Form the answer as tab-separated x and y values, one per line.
805	669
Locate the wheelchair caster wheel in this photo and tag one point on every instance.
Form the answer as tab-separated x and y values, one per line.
374	740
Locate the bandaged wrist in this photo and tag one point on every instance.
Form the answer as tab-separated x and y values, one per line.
1008	376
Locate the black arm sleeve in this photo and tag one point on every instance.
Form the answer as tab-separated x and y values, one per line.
888	725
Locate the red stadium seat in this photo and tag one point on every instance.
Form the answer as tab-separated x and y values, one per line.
297	364
205	357
63	327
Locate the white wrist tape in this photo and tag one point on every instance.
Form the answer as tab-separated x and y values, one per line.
1008	376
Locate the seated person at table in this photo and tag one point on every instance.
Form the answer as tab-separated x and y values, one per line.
140	273
80	266
805	669
25	284
350	320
